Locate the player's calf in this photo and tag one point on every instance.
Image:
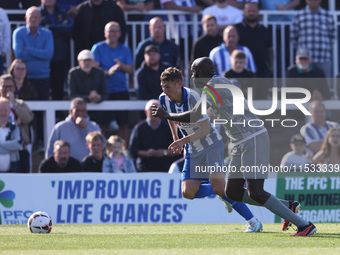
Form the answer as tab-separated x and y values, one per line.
217	185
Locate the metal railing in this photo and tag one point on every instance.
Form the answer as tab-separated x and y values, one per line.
50	107
283	55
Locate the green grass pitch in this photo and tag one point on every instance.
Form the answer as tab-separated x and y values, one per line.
207	239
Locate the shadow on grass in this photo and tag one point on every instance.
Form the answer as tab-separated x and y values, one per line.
328	235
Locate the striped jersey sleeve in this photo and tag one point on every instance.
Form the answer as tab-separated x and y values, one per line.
190	99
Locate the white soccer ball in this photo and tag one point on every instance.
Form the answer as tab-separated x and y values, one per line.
40	222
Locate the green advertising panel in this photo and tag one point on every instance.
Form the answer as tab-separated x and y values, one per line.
319	196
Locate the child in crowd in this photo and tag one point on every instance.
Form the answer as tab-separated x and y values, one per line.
297	159
117	161
238	74
93	162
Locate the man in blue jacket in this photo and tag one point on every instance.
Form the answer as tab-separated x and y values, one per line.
34	45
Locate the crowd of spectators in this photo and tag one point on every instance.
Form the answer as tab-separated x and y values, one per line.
233	37
318	143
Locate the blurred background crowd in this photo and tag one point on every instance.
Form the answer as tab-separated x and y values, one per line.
90	51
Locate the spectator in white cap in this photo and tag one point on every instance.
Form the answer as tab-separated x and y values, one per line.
86	80
303	69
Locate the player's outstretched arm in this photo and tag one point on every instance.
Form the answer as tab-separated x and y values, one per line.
188	116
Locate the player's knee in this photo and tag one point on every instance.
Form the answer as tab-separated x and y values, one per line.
257	195
188	194
219	190
232	195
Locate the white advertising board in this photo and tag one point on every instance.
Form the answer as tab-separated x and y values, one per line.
100	198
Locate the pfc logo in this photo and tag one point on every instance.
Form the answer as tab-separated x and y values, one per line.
6	197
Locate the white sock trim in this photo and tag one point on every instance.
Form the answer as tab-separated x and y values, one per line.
252	220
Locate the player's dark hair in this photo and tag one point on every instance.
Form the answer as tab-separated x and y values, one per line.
203	68
171	74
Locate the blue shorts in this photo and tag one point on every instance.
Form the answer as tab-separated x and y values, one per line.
200	166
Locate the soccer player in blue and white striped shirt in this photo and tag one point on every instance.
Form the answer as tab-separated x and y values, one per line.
203	145
251	147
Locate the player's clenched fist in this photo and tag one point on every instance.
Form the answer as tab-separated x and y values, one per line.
159	112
